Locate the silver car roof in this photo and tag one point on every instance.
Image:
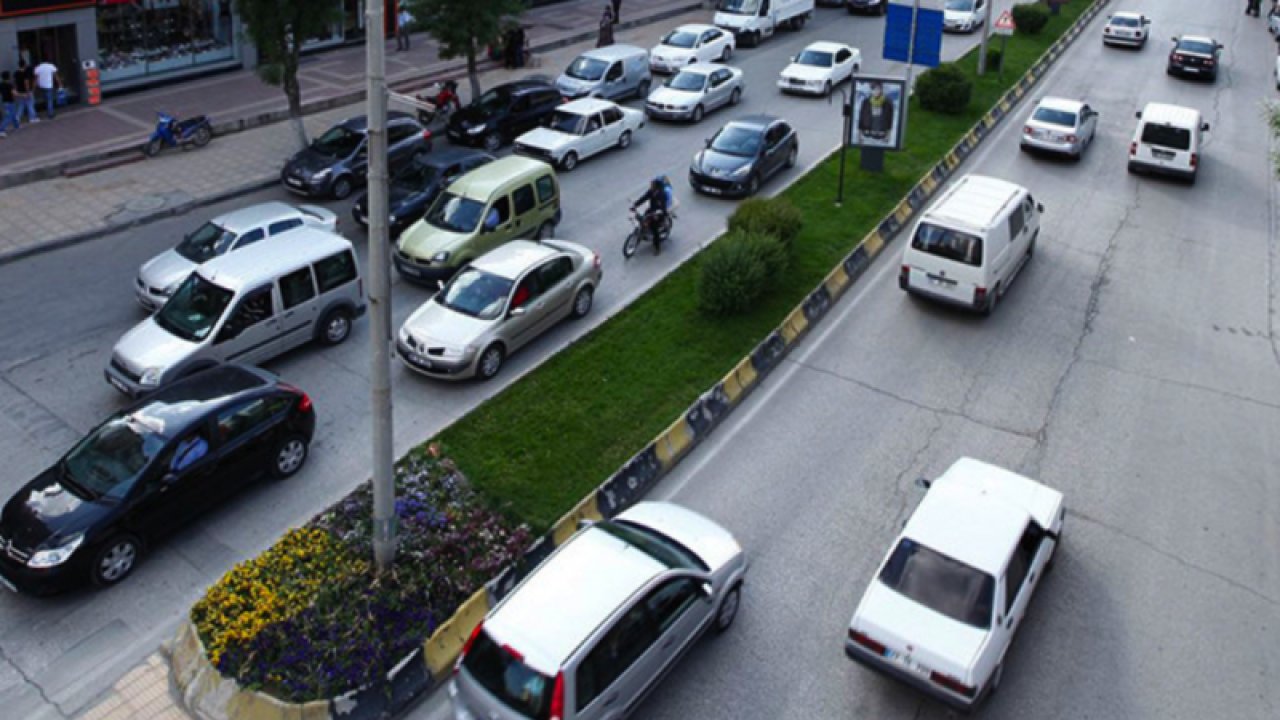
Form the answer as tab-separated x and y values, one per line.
511	259
264	261
609	53
255	216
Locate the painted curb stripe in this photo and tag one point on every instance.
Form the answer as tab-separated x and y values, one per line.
447	641
568	525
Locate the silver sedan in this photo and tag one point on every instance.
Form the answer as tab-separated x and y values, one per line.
694	91
492	307
1060	126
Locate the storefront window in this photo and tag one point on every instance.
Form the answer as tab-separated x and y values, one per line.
148	37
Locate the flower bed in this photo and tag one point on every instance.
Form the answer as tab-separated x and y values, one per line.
308	619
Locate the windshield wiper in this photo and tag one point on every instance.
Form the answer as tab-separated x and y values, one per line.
64	477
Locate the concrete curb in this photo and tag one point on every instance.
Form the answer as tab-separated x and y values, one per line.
451	70
208	695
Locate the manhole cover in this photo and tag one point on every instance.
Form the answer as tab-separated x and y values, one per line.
146	203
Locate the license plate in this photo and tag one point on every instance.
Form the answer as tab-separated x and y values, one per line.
119	385
903	660
712	189
1162	154
293	182
418	360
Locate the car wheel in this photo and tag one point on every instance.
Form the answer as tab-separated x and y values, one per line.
492	143
753	185
728	609
490	362
582	302
792	155
992	300
697	114
642	90
115	560
546	231
826	89
342	188
996	677
728	53
569	161
289	457
735	97
335	327
624	140
1031	246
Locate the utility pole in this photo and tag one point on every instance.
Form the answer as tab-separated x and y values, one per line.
911	63
384	489
986	33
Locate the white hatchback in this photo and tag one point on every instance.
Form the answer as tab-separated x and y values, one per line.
690	44
820	67
579	129
954	588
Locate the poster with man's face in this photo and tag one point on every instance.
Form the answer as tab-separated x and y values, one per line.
877	113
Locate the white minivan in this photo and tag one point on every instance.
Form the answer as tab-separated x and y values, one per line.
1167	141
967	247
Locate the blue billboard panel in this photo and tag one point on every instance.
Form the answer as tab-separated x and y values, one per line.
897	33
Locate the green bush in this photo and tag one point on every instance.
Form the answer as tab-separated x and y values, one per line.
944	89
1031	18
737	270
775	216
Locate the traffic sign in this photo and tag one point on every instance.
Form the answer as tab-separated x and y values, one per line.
1004	24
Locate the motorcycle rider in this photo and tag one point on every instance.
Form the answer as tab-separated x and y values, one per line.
655	215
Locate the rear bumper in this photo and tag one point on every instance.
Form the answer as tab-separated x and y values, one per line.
939	297
1120	40
1066	148
1139	166
877	663
1193	71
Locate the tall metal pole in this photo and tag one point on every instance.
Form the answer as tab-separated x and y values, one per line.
986	35
911	64
384	490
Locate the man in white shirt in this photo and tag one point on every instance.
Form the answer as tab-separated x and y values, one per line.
46	80
403	21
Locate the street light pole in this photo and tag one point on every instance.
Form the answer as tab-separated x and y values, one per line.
384	490
986	35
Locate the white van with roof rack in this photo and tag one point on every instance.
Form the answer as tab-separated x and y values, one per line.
967	247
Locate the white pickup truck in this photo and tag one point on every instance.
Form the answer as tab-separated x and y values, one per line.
751	21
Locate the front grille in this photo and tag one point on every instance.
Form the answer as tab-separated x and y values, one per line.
798	82
120	368
411	260
533	151
12	551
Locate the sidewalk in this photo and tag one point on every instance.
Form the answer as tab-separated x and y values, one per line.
239	99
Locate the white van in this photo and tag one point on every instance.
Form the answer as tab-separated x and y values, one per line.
1167	141
751	21
966	249
247	306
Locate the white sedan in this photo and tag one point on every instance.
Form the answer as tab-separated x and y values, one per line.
690	44
954	588
580	129
694	91
1126	28
1059	125
820	67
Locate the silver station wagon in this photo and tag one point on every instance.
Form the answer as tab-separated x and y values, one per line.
595	627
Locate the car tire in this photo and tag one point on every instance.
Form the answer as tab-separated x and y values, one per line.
342	188
992	300
582	302
569	161
753	185
624	140
642	90
1031	246
492	143
546	231
728	53
698	112
727	612
996	677
826	89
334	327
115	560
290	455
792	155
735	97
490	362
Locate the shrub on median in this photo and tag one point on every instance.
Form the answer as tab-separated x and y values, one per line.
737	270
1030	18
944	89
776	216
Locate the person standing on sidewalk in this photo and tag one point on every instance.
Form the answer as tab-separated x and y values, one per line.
47	80
25	90
8	106
617	11
403	20
606	28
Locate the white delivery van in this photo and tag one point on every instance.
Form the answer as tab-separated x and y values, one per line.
1167	141
751	21
967	247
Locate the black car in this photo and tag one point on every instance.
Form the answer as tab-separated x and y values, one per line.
878	7
336	163
744	154
504	113
147	471
416	184
1195	55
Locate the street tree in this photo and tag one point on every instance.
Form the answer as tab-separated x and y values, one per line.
1271	111
278	29
464	27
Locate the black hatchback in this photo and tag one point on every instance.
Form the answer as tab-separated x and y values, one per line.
744	154
147	471
416	185
337	162
504	113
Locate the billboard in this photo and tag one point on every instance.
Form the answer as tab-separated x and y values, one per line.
927	50
876	115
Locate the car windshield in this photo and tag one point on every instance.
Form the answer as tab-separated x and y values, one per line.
566	122
502	671
193	311
940	583
815	58
206	243
688	81
337	142
1196	46
455	213
108	460
476	293
734	140
492	101
1129	22
680	39
948	243
1065	118
416	176
963	5
585	68
739	7
654	544
1168	136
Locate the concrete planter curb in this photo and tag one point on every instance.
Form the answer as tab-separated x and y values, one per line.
210	696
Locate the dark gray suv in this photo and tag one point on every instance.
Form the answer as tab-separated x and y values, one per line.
335	163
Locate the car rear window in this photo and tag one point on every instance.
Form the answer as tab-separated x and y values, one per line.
947	243
1167	136
503	673
1196	46
940	583
1065	118
1126	21
336	271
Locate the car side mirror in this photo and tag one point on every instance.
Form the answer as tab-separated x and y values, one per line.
924	483
707	589
793	58
1138	114
709	142
1204	127
1040	207
1174	38
517	312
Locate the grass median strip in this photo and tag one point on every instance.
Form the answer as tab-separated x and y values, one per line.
536	448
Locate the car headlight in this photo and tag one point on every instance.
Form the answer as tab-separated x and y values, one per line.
151	376
740	172
321	174
475	130
52	557
442	256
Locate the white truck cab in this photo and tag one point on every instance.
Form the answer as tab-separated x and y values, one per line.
754	20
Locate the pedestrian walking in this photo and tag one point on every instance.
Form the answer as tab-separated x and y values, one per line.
403	21
522	45
8	104
1253	7
24	83
47	81
606	28
617	11
510	48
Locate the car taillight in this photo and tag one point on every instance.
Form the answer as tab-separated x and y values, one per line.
595	260
1071	138
466	647
1133	148
426	135
304	400
1026	130
979	295
904	275
1194	158
951	684
866	642
557	697
519	656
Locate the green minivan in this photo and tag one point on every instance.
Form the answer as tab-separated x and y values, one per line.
503	200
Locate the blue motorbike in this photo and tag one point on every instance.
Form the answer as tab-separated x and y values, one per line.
171	132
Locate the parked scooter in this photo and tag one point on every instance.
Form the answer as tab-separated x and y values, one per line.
441	101
171	132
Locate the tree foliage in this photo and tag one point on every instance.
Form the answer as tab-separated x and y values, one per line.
464	27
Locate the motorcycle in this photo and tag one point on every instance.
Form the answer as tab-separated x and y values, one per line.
642	233
171	132
441	102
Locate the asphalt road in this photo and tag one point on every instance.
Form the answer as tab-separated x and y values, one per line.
65	310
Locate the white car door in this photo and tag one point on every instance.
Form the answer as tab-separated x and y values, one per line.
596	137
613	127
718	88
844	66
710	46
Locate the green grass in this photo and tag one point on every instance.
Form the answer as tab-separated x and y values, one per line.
542	444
